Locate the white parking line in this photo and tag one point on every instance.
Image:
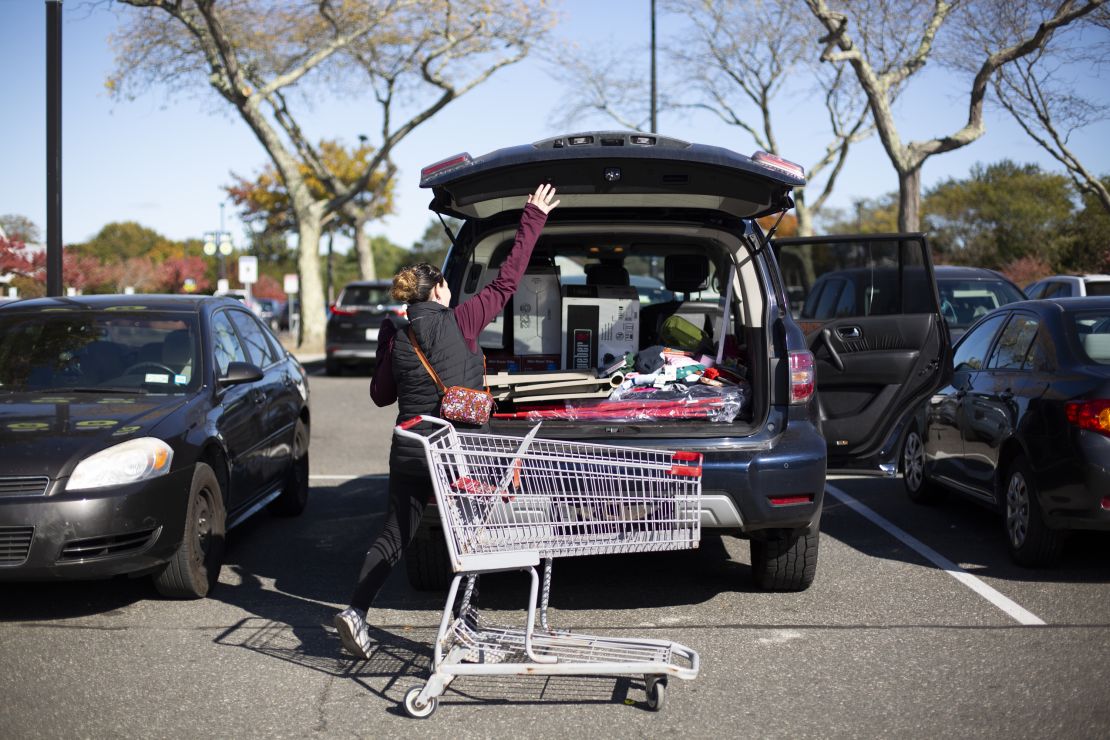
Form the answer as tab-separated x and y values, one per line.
1014	610
335	477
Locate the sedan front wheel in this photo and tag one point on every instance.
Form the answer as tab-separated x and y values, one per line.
195	567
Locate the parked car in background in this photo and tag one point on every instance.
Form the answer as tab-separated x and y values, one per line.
269	310
967	293
135	431
644	205
1069	286
351	333
1023	426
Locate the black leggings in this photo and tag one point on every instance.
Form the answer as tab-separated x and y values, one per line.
408	497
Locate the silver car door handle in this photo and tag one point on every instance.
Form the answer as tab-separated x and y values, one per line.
849	332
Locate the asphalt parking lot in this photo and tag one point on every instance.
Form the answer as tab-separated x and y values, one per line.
917	626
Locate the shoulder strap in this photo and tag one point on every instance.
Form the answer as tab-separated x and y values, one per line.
424	361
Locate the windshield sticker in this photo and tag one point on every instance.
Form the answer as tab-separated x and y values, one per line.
156	378
129	429
96	423
107	401
180	380
53	399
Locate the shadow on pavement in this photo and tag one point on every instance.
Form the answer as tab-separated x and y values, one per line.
966	533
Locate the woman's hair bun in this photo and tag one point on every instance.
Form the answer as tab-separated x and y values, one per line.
405	284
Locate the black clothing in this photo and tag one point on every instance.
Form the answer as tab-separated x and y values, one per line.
408	496
456	364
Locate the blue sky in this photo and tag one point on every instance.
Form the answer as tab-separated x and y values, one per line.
163	161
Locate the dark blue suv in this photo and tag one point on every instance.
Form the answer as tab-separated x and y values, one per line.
641	206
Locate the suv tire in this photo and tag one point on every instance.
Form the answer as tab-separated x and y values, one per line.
427	563
332	366
786	563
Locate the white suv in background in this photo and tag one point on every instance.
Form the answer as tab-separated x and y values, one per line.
1069	286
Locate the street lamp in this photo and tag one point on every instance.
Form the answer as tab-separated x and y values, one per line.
219	242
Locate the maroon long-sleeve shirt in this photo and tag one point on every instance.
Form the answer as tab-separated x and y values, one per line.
472	315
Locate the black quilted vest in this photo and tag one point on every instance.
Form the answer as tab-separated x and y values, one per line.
443	344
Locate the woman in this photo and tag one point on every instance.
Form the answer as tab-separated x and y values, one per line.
449	338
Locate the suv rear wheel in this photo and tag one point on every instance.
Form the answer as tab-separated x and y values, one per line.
787	562
426	561
918	487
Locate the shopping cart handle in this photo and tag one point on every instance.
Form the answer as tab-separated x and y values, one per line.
410	423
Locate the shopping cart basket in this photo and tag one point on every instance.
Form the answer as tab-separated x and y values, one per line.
509	502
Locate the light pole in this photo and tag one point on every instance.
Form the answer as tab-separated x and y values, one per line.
219	242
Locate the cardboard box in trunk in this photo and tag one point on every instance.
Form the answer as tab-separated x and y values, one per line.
600	324
536	316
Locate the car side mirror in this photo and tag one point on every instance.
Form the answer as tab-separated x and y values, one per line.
239	373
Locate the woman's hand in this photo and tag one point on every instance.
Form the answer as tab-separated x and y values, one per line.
542	198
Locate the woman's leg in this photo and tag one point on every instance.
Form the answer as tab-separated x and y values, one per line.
408	496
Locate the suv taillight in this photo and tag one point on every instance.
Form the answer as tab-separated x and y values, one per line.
803	376
337	311
1093	415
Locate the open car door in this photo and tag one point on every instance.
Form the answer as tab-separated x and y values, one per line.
871	314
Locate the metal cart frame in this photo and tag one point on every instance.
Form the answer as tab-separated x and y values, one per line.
508	502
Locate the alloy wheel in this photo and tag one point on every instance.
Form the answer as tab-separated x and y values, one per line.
913	461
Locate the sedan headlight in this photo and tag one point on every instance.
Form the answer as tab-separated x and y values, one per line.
127	462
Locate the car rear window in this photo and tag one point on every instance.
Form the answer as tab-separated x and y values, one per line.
365	295
962	302
1093	330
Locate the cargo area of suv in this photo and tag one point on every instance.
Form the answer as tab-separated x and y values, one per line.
654	314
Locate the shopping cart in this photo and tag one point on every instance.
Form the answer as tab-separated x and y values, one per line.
509	502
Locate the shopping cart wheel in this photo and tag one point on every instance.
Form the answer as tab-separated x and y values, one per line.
656	687
419	711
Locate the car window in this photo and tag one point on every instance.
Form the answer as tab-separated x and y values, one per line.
1013	345
254	338
365	295
972	352
1098	287
963	301
1038	359
882	277
1035	290
118	348
225	343
1057	290
1093	332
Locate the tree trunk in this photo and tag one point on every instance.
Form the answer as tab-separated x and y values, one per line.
909	199
312	291
365	251
803	214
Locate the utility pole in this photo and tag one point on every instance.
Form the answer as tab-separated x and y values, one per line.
654	123
53	147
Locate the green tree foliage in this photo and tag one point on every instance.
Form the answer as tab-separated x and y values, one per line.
1000	213
1089	250
120	241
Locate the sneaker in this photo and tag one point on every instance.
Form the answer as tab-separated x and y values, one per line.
353	633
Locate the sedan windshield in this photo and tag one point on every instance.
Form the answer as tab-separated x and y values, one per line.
962	302
98	350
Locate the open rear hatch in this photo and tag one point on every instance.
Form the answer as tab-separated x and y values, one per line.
613	170
608	182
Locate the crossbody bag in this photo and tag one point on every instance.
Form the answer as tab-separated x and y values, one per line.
457	403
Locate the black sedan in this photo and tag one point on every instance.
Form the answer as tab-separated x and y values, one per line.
136	430
1024	425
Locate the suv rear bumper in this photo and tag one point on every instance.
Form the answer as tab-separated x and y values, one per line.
742	489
